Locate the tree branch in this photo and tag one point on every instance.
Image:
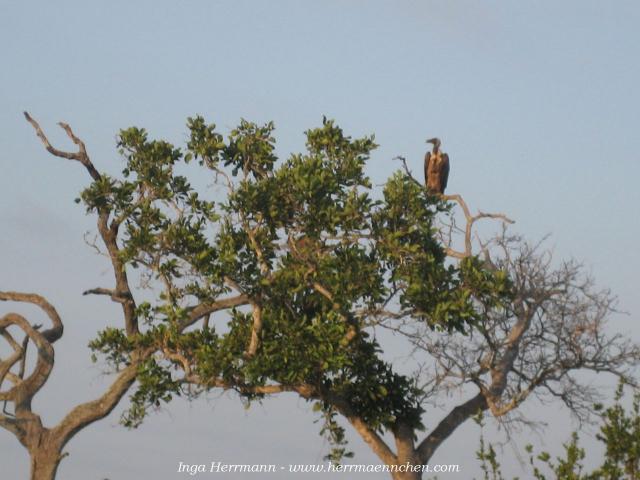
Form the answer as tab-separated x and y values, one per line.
109	234
11	425
448	425
52	334
370	436
308	392
470	220
113	294
23	391
92	411
208	308
80	156
256	328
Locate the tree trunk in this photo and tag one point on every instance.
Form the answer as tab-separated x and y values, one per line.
406	475
44	463
407	456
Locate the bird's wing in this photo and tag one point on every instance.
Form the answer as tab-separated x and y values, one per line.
427	160
444	175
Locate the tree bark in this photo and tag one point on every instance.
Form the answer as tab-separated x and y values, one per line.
406	475
44	463
406	453
45	450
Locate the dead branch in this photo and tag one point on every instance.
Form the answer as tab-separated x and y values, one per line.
80	156
108	232
470	220
114	295
45	444
92	411
555	326
406	168
52	334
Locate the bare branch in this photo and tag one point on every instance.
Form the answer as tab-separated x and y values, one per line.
80	156
100	291
108	233
52	334
92	411
448	425
24	391
205	309
470	220
554	326
11	425
119	297
406	168
7	364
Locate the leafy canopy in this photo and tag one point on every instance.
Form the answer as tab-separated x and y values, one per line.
312	257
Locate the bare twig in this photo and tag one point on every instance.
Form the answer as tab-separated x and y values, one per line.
470	220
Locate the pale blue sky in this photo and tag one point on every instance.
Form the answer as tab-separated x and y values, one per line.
537	104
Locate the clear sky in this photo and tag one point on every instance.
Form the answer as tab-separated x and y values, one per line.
537	104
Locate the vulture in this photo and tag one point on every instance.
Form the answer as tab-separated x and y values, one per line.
436	168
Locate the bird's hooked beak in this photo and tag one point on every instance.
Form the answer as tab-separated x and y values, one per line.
435	141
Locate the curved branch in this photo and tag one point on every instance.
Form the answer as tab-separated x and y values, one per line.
370	436
205	309
24	390
52	334
17	355
448	425
92	411
470	220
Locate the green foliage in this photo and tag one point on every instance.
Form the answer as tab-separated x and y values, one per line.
114	345
333	432
568	467
620	433
304	239
155	385
489	461
487	455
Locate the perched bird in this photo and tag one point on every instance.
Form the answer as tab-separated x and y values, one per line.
436	168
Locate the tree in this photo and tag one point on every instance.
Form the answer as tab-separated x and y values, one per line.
551	332
303	267
45	444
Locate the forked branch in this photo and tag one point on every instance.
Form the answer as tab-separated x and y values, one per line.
108	232
470	220
80	156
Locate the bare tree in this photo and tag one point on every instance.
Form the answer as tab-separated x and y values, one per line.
44	444
541	343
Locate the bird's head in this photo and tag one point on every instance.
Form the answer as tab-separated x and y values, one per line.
435	142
